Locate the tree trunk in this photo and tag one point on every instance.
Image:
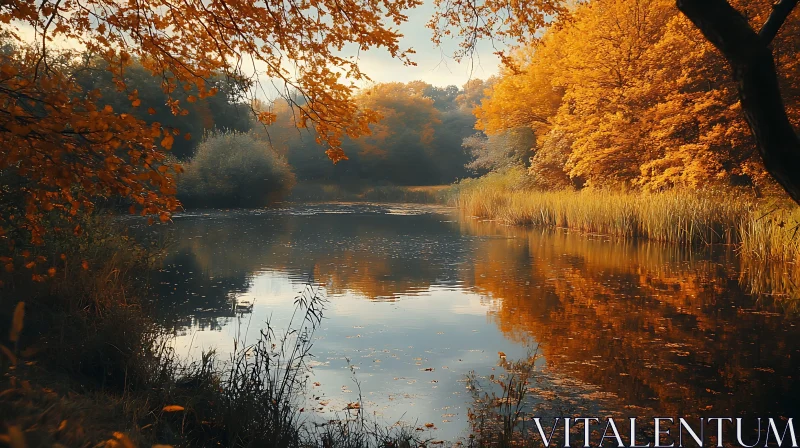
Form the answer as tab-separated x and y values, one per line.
753	69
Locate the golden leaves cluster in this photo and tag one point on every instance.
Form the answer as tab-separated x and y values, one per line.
64	151
629	93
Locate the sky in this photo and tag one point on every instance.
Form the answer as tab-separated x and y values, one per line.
434	65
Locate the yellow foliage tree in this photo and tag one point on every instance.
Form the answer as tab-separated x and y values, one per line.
630	93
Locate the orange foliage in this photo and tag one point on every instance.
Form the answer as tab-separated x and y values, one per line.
402	108
630	93
67	149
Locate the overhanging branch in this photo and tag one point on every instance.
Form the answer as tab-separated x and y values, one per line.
753	71
780	11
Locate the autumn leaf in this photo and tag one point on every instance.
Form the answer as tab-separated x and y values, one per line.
120	440
16	437
9	354
173	408
167	141
17	322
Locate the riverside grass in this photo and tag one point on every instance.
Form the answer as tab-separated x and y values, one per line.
761	229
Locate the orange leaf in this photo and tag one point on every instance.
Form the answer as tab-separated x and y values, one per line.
16	437
167	141
173	408
9	354
17	322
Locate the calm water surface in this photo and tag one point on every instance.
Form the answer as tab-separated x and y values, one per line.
419	297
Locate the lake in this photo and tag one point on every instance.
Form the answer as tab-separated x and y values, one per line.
419	296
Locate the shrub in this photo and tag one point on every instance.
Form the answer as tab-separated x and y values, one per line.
234	169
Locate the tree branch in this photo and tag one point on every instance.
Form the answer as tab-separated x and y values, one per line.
753	71
780	11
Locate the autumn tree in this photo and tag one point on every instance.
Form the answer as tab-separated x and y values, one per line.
417	141
226	111
749	54
513	147
752	62
610	111
66	148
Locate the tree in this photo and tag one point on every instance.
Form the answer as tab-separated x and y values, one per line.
234	170
753	69
512	147
224	111
610	111
417	141
67	149
403	139
748	53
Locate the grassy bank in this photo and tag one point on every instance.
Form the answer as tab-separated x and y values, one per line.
315	192
84	364
759	228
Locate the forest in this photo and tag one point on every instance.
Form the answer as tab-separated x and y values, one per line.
161	162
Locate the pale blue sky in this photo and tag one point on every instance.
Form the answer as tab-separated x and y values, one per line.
434	65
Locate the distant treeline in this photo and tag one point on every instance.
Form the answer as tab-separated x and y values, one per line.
417	142
231	159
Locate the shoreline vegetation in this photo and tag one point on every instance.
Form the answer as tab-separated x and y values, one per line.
321	192
86	364
761	229
91	366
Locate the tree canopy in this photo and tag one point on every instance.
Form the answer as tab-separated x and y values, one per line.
631	93
416	142
66	147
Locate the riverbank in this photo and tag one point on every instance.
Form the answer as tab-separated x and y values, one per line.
762	229
317	192
86	363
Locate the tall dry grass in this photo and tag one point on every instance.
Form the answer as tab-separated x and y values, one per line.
760	229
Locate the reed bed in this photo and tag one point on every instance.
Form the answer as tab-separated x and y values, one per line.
759	229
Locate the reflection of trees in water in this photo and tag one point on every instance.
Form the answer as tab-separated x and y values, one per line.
658	326
369	253
212	263
190	296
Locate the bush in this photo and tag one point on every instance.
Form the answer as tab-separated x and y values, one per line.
233	169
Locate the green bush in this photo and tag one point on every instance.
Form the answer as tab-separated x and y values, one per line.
234	170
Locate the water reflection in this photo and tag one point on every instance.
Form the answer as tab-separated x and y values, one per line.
415	288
